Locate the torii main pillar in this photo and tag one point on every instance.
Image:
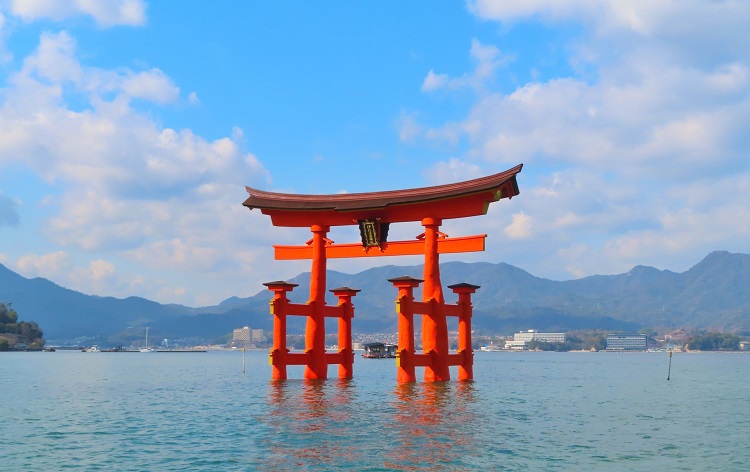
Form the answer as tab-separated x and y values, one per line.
374	213
434	324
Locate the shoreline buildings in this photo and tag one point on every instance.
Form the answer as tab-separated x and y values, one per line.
246	337
521	339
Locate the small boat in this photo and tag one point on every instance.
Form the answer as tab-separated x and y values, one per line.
93	348
146	348
491	347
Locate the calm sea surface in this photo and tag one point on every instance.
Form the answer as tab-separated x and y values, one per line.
524	411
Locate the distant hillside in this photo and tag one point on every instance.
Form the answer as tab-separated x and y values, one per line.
713	294
64	313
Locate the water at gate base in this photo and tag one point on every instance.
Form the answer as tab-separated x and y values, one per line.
524	411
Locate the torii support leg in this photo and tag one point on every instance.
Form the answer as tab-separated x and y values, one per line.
346	353
466	367
405	355
434	325
279	351
315	332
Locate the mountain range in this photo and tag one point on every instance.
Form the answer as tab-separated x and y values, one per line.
712	295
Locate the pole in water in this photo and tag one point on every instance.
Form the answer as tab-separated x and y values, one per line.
669	372
243	360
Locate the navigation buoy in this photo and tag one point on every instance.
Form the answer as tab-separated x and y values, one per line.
669	372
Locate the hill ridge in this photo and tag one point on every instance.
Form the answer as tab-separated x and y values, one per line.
711	294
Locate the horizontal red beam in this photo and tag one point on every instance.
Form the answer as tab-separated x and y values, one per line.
298	309
422	360
334	358
453	310
303	309
297	358
456	359
396	248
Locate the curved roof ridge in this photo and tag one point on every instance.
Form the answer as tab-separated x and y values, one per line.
454	200
452	188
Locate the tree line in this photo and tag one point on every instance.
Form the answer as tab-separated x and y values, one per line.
714	342
14	332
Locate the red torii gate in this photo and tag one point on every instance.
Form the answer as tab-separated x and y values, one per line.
374	212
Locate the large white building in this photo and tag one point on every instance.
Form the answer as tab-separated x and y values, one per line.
532	335
258	336
522	338
626	342
241	335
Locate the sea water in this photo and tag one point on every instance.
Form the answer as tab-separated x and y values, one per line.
523	411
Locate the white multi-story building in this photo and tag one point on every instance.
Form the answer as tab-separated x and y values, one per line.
626	342
532	335
257	336
241	335
522	338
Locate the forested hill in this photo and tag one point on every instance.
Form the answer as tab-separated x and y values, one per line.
15	333
714	294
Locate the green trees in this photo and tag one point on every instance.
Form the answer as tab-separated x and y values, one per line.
714	342
7	314
13	332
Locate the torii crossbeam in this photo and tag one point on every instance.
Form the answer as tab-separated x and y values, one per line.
374	212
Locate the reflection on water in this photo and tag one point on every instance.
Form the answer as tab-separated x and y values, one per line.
310	425
330	424
430	426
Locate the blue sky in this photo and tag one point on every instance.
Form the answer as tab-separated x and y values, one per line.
128	130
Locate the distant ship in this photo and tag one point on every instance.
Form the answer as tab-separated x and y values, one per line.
491	347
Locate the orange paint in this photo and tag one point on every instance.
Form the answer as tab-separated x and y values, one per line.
430	206
315	333
466	362
279	352
405	362
397	248
346	313
434	324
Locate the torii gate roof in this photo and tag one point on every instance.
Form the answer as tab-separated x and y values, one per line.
456	200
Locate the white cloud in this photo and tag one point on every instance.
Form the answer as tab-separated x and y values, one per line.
54	60
520	227
408	127
145	194
665	125
47	265
434	81
455	170
151	85
101	269
487	59
106	13
53	70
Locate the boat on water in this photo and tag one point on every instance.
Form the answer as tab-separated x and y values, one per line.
379	351
94	348
491	347
146	348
